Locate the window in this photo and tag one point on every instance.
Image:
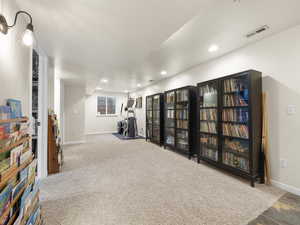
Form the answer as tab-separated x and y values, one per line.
106	105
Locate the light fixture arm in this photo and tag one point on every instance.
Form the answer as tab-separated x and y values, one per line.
16	18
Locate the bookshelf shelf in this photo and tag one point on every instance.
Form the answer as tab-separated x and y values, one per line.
180	125
14	172
237	124
12	204
155	118
13	145
20	120
235	137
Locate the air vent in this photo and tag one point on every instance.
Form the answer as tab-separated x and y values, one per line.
258	31
151	81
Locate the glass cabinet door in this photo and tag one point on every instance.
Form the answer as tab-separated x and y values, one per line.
170	118
235	123
156	119
149	117
208	99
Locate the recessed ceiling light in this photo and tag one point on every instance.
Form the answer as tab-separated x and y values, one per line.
163	72
213	48
104	80
98	88
138	85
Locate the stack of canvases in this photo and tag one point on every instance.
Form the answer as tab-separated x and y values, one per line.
19	187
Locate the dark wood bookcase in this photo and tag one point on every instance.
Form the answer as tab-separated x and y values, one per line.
155	118
230	124
180	116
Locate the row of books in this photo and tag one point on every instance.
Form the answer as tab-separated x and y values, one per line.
236	161
235	130
208	127
182	124
207	89
235	115
234	85
183	135
170	114
24	187
12	110
17	156
156	103
208	114
182	95
170	98
236	145
182	144
235	100
209	140
210	153
182	114
13	131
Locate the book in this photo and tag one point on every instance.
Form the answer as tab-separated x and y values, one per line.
208	114
235	130
5	198
5	112
235	115
25	156
208	127
235	161
4	165
16	190
32	171
15	155
2	132
24	174
16	108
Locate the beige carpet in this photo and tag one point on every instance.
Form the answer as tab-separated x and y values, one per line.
112	182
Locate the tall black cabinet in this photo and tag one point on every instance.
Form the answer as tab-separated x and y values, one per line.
155	118
230	124
180	124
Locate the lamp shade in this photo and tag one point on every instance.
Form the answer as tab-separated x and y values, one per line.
28	38
3	25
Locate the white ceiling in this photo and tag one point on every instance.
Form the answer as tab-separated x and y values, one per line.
131	41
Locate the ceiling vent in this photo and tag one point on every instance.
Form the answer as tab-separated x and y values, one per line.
258	31
151	81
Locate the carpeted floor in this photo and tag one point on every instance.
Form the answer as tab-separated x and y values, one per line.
113	182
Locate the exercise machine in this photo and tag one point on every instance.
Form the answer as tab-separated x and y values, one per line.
128	126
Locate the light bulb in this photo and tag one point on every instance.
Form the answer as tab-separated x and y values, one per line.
28	37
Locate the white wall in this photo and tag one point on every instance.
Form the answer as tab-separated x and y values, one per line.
51	78
278	58
80	114
74	114
102	124
15	62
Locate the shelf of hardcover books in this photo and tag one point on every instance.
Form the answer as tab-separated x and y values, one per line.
179	115
19	188
208	99
170	119
182	120
235	118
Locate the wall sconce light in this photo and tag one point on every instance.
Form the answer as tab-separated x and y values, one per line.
28	33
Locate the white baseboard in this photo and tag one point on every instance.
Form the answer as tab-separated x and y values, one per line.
286	187
103	132
74	142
